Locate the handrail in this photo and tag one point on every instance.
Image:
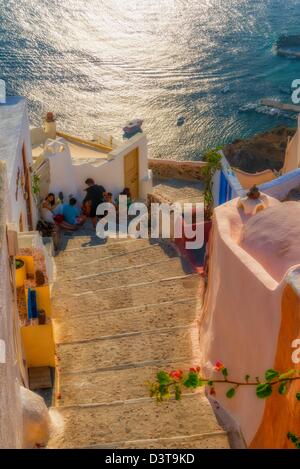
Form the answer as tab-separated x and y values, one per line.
82	141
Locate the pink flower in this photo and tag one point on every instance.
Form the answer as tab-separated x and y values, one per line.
219	366
176	374
195	369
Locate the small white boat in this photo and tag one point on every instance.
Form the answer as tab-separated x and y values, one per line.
226	89
133	126
248	107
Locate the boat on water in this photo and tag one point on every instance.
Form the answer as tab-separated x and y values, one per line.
180	121
248	107
133	127
226	89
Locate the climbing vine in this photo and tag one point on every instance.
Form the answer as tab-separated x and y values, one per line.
172	384
213	164
36	188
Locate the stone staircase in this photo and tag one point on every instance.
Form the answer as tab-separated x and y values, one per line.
121	311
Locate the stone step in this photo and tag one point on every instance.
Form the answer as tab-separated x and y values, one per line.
111	323
112	385
80	426
127	350
214	440
86	254
70	304
72	241
132	275
85	262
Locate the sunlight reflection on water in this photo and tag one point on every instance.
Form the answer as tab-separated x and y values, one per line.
99	63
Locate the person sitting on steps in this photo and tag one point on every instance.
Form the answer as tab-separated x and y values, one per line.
71	219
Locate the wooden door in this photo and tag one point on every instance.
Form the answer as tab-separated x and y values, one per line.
131	172
27	190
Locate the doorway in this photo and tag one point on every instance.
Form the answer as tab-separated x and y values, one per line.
131	172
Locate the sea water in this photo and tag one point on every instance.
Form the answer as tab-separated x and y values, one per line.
98	63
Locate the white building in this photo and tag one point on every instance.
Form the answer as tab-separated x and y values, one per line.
63	164
15	151
72	160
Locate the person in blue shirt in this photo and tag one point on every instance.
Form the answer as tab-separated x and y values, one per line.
71	213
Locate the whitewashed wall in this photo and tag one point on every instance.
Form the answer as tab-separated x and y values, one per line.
18	206
110	173
292	154
62	173
11	424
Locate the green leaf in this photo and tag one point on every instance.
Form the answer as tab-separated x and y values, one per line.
286	375
292	437
271	374
192	381
177	392
210	383
225	372
163	377
264	390
230	393
283	388
201	382
298	396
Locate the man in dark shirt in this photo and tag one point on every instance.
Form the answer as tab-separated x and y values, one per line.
94	197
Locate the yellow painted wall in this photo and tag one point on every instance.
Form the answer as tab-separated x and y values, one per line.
38	345
29	263
20	276
282	413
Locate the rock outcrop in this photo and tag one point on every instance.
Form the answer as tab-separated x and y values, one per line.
261	152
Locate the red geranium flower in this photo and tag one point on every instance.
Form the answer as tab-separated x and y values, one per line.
176	374
219	366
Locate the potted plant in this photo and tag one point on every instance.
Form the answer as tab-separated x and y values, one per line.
20	273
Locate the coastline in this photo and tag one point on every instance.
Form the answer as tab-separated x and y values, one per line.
261	152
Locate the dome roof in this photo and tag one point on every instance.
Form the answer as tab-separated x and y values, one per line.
272	237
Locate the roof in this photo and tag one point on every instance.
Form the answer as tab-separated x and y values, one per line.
11	118
272	238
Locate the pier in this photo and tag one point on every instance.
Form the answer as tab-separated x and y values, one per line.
278	105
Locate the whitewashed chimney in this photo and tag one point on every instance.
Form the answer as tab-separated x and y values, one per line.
50	126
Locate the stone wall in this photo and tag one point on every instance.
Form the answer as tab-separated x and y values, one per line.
170	169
